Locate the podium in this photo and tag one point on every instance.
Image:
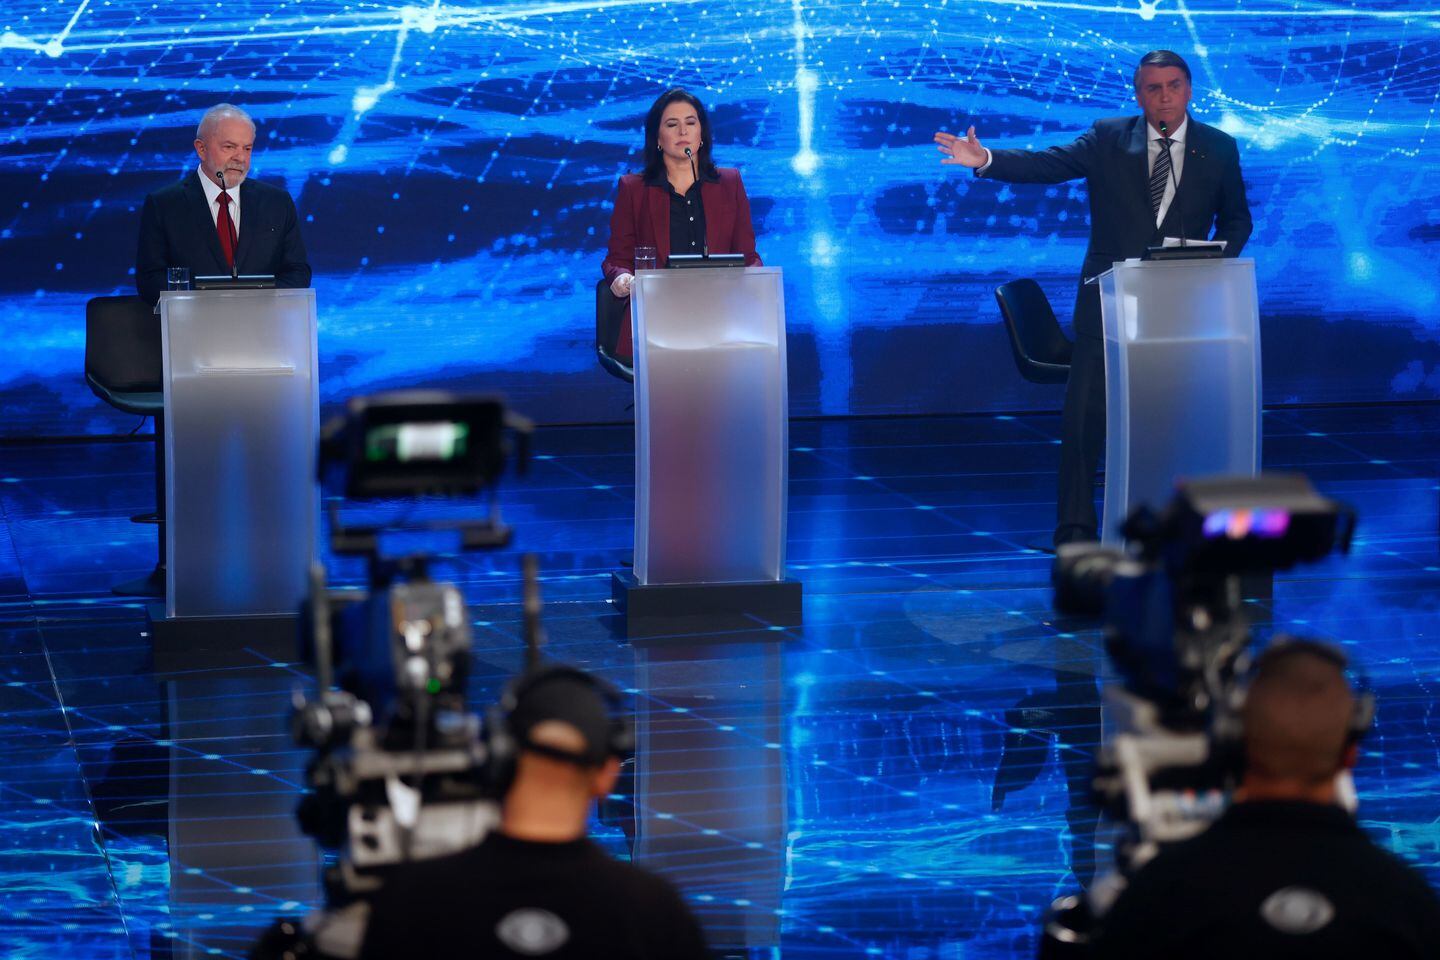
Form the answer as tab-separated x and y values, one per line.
1182	378
711	455
241	427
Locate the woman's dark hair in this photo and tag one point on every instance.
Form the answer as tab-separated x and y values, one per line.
1161	58
654	159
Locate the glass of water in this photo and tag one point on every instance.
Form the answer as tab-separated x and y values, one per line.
177	278
645	258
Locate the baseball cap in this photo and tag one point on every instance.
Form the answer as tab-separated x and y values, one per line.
570	700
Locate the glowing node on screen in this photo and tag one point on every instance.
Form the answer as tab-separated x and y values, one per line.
424	19
366	97
822	249
1359	266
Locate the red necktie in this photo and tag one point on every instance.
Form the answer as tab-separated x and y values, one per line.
226	228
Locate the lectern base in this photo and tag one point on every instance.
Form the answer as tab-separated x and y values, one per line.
689	609
185	644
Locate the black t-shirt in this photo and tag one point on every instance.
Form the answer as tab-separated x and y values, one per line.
1275	880
516	898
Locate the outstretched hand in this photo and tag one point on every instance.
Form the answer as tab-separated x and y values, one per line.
965	150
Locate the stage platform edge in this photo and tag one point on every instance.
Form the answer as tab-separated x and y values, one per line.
760	609
231	644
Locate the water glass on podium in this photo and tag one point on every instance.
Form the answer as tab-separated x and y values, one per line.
646	258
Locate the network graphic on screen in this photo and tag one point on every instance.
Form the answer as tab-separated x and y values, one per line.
454	167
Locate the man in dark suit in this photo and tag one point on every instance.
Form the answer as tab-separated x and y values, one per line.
1161	174
248	227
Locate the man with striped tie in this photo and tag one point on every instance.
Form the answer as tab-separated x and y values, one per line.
217	221
1160	174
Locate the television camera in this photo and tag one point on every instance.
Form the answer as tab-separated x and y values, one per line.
1176	632
400	767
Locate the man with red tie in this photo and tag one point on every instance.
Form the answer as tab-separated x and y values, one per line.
216	222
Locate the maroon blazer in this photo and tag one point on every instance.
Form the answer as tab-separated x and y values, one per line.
642	217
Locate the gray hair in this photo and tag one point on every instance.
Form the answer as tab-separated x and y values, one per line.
221	111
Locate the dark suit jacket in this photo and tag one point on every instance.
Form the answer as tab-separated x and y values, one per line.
1112	157
176	230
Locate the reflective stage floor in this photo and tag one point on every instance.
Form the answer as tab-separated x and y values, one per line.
905	776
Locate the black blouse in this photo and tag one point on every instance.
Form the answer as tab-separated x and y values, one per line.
687	214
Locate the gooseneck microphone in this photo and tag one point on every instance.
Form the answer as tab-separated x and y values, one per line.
1165	132
234	240
695	178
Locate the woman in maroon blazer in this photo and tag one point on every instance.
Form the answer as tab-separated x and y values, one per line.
681	203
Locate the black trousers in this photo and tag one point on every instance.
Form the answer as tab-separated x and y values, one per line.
1082	440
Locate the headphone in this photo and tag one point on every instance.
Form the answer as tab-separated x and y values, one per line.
1362	715
503	747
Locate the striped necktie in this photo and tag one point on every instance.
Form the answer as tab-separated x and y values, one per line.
1160	175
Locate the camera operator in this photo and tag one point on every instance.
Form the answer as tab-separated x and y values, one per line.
1286	871
536	886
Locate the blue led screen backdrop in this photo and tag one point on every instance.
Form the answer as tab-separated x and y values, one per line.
454	167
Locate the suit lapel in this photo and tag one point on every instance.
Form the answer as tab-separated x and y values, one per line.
716	232
200	214
658	201
248	203
1138	149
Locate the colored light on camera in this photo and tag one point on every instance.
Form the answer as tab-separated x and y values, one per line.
412	442
1239	524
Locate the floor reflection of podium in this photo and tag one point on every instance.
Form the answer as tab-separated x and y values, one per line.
710	790
237	855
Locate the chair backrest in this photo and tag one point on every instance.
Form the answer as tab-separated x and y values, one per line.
1042	351
122	344
610	313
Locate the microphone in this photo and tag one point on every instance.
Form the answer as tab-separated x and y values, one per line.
234	240
1165	132
695	177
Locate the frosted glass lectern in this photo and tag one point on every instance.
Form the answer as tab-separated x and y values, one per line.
1182	378
241	427
711	449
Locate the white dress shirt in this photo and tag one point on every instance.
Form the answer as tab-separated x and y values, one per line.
212	193
1177	160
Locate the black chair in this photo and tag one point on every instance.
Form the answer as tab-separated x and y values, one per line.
123	368
1041	349
611	313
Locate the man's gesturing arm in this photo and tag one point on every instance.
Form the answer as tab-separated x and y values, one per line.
1052	165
